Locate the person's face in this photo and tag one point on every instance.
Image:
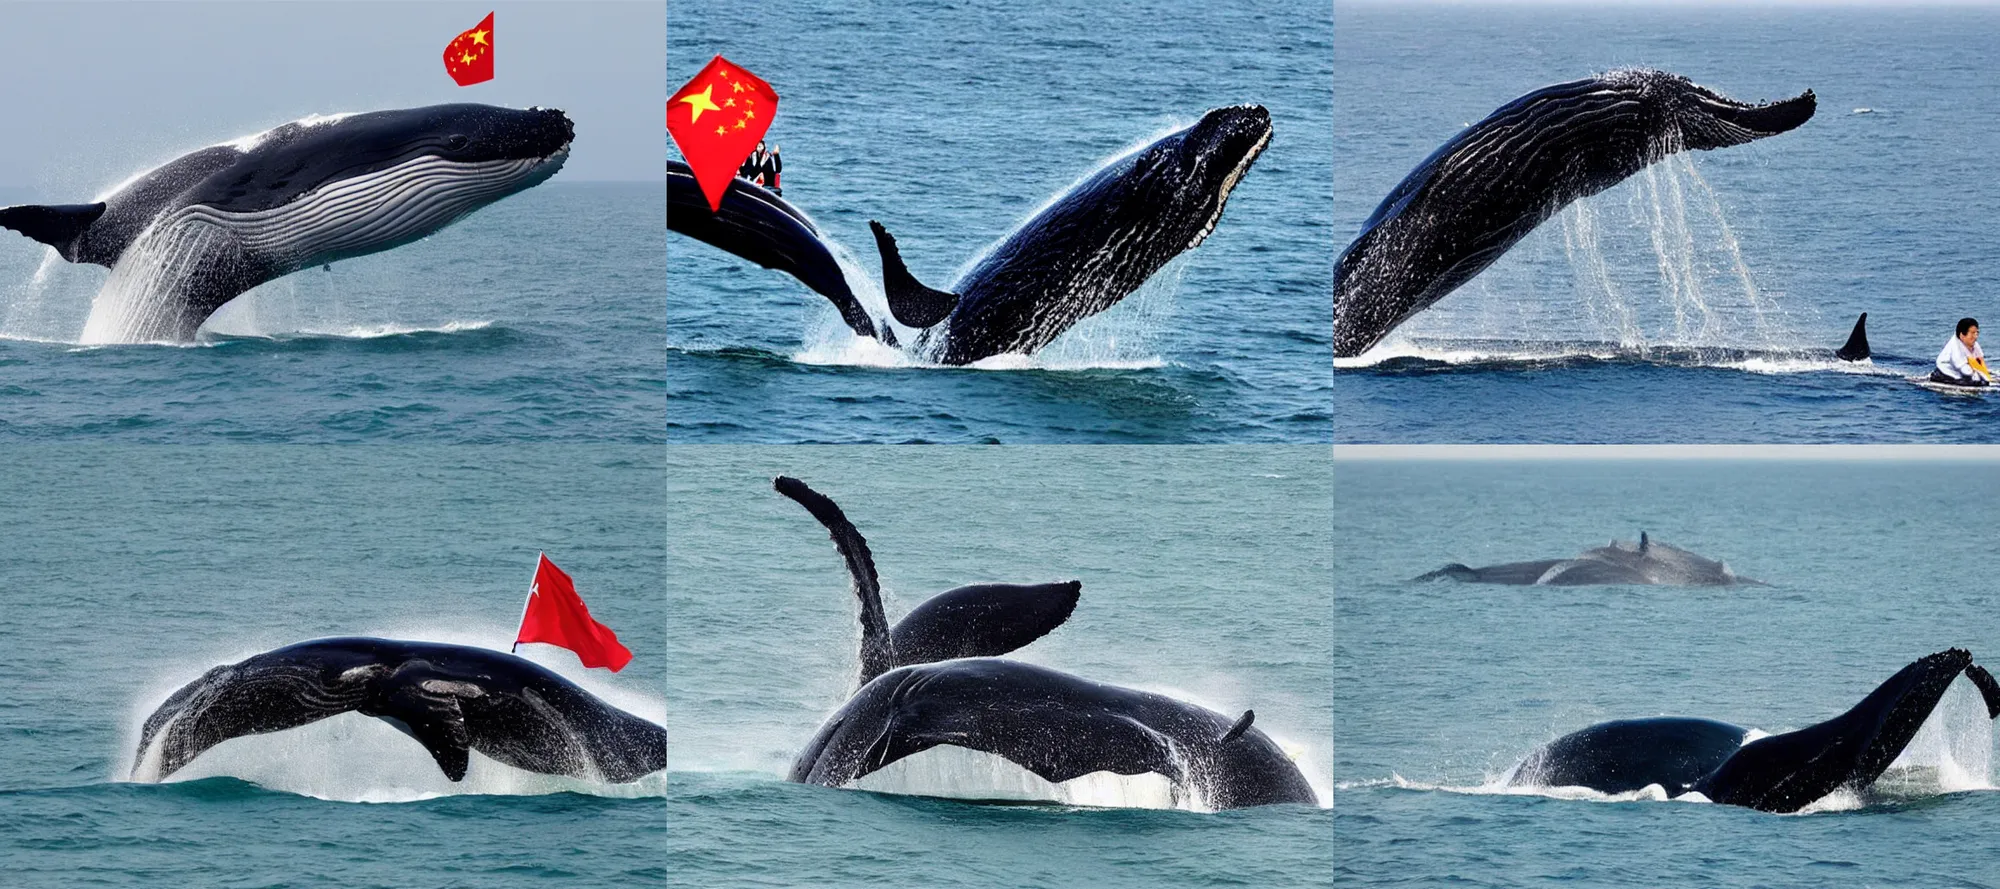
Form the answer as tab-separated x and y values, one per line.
1970	337
760	146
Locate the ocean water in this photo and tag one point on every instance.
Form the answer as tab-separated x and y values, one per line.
537	318
131	569
1681	305
1442	687
1204	575
952	123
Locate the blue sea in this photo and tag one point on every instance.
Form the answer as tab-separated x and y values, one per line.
537	318
1442	687
952	123
132	569
1204	573
1685	305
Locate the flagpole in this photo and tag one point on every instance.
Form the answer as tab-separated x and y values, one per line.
530	600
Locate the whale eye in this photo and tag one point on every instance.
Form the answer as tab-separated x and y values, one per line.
456	142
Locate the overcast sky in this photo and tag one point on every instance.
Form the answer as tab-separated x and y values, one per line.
90	92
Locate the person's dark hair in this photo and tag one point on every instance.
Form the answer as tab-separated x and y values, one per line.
1965	324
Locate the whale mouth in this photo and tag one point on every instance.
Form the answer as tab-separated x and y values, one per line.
1229	182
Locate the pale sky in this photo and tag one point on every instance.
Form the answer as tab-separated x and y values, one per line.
92	91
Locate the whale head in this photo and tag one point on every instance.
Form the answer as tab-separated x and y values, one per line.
1202	164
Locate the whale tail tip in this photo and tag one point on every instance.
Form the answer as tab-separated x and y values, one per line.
1857	342
57	225
910	301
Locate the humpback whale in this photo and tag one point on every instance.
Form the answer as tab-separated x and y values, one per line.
931	681
449	698
761	227
1495	181
1090	247
187	237
1777	773
1619	562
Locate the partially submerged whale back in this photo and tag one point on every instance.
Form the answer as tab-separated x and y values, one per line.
1090	248
451	698
1618	562
186	237
1495	181
1778	773
1053	724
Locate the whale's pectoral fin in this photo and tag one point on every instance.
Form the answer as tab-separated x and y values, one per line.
910	301
57	225
1784	773
878	647
428	711
982	620
1856	348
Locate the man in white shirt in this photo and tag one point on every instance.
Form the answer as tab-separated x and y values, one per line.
1961	363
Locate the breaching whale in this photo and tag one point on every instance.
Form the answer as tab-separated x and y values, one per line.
1618	562
1495	181
931	681
184	238
1777	773
1090	247
450	698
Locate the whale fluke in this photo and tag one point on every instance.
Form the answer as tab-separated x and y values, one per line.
57	225
910	301
1857	342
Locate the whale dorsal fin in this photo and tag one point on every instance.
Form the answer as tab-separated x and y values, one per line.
1644	542
57	225
1857	342
878	649
1242	725
909	300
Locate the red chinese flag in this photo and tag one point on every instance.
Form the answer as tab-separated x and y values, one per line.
556	615
717	119
468	58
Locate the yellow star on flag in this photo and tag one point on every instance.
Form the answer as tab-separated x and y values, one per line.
738	86
479	37
701	102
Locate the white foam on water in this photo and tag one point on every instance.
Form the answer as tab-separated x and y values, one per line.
1698	292
356	758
